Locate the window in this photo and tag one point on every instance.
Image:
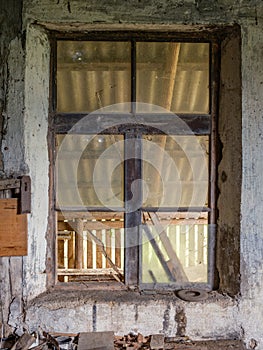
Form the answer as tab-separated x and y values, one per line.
134	126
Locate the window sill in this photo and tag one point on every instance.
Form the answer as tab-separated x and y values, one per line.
115	292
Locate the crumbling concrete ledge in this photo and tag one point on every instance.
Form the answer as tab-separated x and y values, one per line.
127	311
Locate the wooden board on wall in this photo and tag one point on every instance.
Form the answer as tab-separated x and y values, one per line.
13	229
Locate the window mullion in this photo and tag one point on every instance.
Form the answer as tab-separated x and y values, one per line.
133	76
133	203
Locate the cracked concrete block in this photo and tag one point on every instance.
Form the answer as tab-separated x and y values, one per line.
157	341
96	340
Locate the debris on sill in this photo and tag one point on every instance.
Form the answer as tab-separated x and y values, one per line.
109	341
81	341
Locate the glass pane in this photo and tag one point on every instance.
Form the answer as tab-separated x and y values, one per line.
174	76
90	246
92	75
175	171
90	171
174	248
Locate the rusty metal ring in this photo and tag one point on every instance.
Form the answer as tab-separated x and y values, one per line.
192	294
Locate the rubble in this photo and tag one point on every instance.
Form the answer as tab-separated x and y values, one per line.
107	341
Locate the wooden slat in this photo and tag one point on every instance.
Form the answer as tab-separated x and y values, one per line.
60	256
90	215
13	229
118	248
71	251
108	246
182	245
98	251
89	252
79	244
192	245
200	244
82	272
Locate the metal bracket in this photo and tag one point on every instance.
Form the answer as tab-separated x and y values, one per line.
22	190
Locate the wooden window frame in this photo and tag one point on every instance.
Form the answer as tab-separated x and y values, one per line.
200	124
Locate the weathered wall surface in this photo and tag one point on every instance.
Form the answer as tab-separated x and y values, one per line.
11	144
11	78
218	317
252	189
131	312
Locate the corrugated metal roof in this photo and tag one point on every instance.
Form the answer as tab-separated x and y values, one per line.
91	75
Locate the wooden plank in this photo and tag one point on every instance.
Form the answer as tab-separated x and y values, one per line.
118	248
13	229
174	262
167	123
89	252
87	272
90	225
192	260
200	244
111	215
167	268
79	244
9	183
24	342
108	246
98	251
71	251
60	255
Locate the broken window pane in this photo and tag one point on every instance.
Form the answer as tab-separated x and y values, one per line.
90	246
174	248
92	75
174	76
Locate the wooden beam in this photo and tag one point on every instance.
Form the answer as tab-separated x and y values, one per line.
181	124
9	184
87	272
174	262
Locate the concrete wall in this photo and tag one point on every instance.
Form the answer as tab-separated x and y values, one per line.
218	317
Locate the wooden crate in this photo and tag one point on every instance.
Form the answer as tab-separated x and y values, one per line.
13	229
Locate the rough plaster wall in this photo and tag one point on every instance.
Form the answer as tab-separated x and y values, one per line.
142	11
36	156
215	318
13	139
252	189
11	146
99	311
10	24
